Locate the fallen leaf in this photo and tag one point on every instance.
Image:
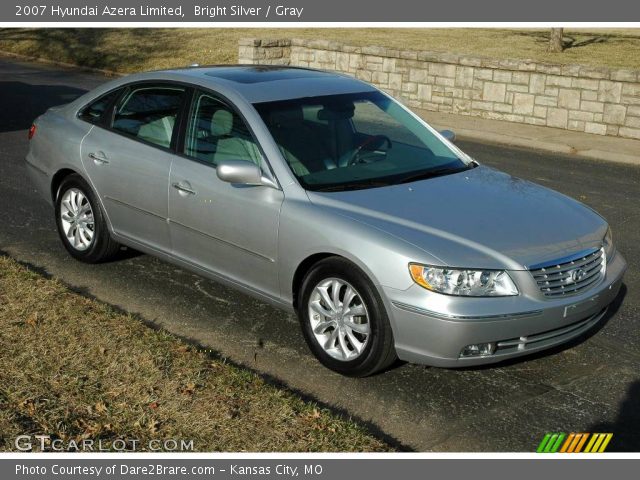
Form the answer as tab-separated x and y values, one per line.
154	425
188	389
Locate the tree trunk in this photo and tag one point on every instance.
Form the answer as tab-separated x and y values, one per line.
555	40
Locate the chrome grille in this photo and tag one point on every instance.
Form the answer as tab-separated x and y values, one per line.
570	277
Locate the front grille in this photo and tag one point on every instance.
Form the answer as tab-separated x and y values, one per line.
571	277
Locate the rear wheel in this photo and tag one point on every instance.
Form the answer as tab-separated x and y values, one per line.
344	320
81	223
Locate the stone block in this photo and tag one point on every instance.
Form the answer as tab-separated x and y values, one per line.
523	103
502	76
629	132
546	101
609	91
537	83
584	83
569	98
580	115
464	77
557	117
442	70
614	114
424	92
595	128
494	92
576	125
596	107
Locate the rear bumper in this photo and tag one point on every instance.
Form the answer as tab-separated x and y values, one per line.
39	178
433	330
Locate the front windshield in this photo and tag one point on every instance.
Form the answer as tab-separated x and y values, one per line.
353	141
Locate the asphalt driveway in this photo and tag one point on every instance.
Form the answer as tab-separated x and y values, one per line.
592	385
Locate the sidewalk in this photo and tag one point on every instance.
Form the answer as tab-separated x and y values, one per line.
600	147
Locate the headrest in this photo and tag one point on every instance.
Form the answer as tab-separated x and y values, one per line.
222	123
285	118
337	112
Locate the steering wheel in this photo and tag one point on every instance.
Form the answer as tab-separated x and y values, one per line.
372	143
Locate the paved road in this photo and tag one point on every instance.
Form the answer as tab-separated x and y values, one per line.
594	385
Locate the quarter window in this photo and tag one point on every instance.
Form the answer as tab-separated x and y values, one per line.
94	111
216	132
149	113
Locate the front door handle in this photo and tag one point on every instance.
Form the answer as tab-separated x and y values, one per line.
183	188
98	158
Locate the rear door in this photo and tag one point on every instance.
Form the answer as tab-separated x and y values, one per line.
128	160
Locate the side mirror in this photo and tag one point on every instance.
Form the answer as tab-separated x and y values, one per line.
242	172
449	135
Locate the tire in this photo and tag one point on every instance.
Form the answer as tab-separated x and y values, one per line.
81	223
369	347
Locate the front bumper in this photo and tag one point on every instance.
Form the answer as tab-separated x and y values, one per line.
432	329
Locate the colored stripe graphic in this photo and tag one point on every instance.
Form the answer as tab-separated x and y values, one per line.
599	442
581	443
543	443
574	442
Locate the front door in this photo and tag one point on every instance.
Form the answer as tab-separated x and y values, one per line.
230	230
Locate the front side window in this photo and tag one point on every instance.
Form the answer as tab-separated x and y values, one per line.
215	132
95	110
352	141
149	113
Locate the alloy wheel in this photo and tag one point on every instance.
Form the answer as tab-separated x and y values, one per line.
339	319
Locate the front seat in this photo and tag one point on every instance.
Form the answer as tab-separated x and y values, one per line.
300	146
231	143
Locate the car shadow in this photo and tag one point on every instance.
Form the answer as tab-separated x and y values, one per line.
626	426
23	102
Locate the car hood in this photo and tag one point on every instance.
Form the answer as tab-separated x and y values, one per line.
480	218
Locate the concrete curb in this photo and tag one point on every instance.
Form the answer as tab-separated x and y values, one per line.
505	139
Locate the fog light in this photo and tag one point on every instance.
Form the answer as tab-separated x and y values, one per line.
478	349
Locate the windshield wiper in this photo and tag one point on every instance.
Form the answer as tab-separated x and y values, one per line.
351	186
438	172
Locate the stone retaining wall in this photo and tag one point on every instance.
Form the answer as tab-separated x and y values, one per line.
595	100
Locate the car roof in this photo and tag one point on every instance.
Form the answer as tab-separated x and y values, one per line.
264	83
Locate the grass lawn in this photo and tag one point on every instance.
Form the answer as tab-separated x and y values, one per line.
73	368
132	50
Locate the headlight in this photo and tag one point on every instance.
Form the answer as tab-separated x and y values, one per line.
470	283
607	243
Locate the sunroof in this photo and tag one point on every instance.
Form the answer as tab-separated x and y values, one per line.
259	74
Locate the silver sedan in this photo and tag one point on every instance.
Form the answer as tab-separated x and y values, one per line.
324	196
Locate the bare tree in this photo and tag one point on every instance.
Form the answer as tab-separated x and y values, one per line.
555	40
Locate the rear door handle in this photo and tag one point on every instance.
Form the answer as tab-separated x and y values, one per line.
183	188
98	158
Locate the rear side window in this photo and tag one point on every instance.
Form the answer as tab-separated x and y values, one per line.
94	111
149	113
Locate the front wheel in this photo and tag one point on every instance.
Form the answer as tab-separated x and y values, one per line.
81	223
343	319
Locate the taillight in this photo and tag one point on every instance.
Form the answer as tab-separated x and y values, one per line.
32	131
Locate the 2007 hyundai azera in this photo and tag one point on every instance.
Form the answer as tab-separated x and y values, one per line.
321	194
